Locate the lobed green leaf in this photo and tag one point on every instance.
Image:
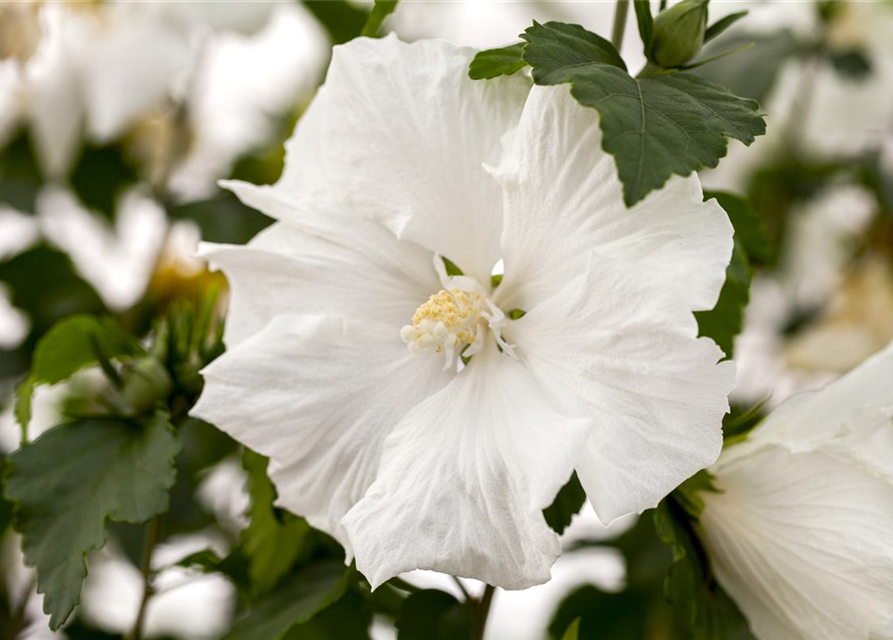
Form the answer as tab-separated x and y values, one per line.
297	601
567	504
656	126
274	539
702	610
492	63
71	481
431	614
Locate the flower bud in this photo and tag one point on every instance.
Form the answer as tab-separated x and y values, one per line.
678	33
146	381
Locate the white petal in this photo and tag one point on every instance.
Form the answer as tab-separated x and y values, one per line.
563	199
330	265
318	396
399	132
130	71
802	543
464	479
619	346
856	409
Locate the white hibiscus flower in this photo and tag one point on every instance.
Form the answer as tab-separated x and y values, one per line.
409	460
800	536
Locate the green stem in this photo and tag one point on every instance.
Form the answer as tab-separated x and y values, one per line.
461	588
621	9
483	611
153	533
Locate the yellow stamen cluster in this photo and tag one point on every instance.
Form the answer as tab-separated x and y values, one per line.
447	320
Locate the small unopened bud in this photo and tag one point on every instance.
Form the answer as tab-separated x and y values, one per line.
678	33
146	381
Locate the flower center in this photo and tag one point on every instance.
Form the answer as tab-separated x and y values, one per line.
455	320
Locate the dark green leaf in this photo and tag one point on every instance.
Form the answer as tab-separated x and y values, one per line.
654	127
566	505
726	319
341	19
750	229
295	602
274	539
601	615
100	176
433	615
740	421
560	52
645	21
222	218
347	619
721	25
73	479
492	63
5	505
20	176
702	610
380	10
69	346
852	64
688	494
43	283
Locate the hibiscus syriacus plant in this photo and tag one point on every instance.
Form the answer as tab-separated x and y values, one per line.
470	398
484	321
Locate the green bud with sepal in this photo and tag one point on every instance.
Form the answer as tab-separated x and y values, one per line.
146	382
678	34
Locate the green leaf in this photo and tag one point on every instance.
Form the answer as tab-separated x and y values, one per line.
75	478
295	602
601	615
573	631
566	505
380	10
43	283
492	63
341	19
750	228
69	346
274	539
451	268
20	176
222	218
702	610
100	176
726	319
347	619
645	21
721	25
655	126
559	52
6	508
431	614
687	495
852	63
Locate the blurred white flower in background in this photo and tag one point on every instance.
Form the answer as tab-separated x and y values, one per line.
491	23
117	260
800	534
187	604
384	473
